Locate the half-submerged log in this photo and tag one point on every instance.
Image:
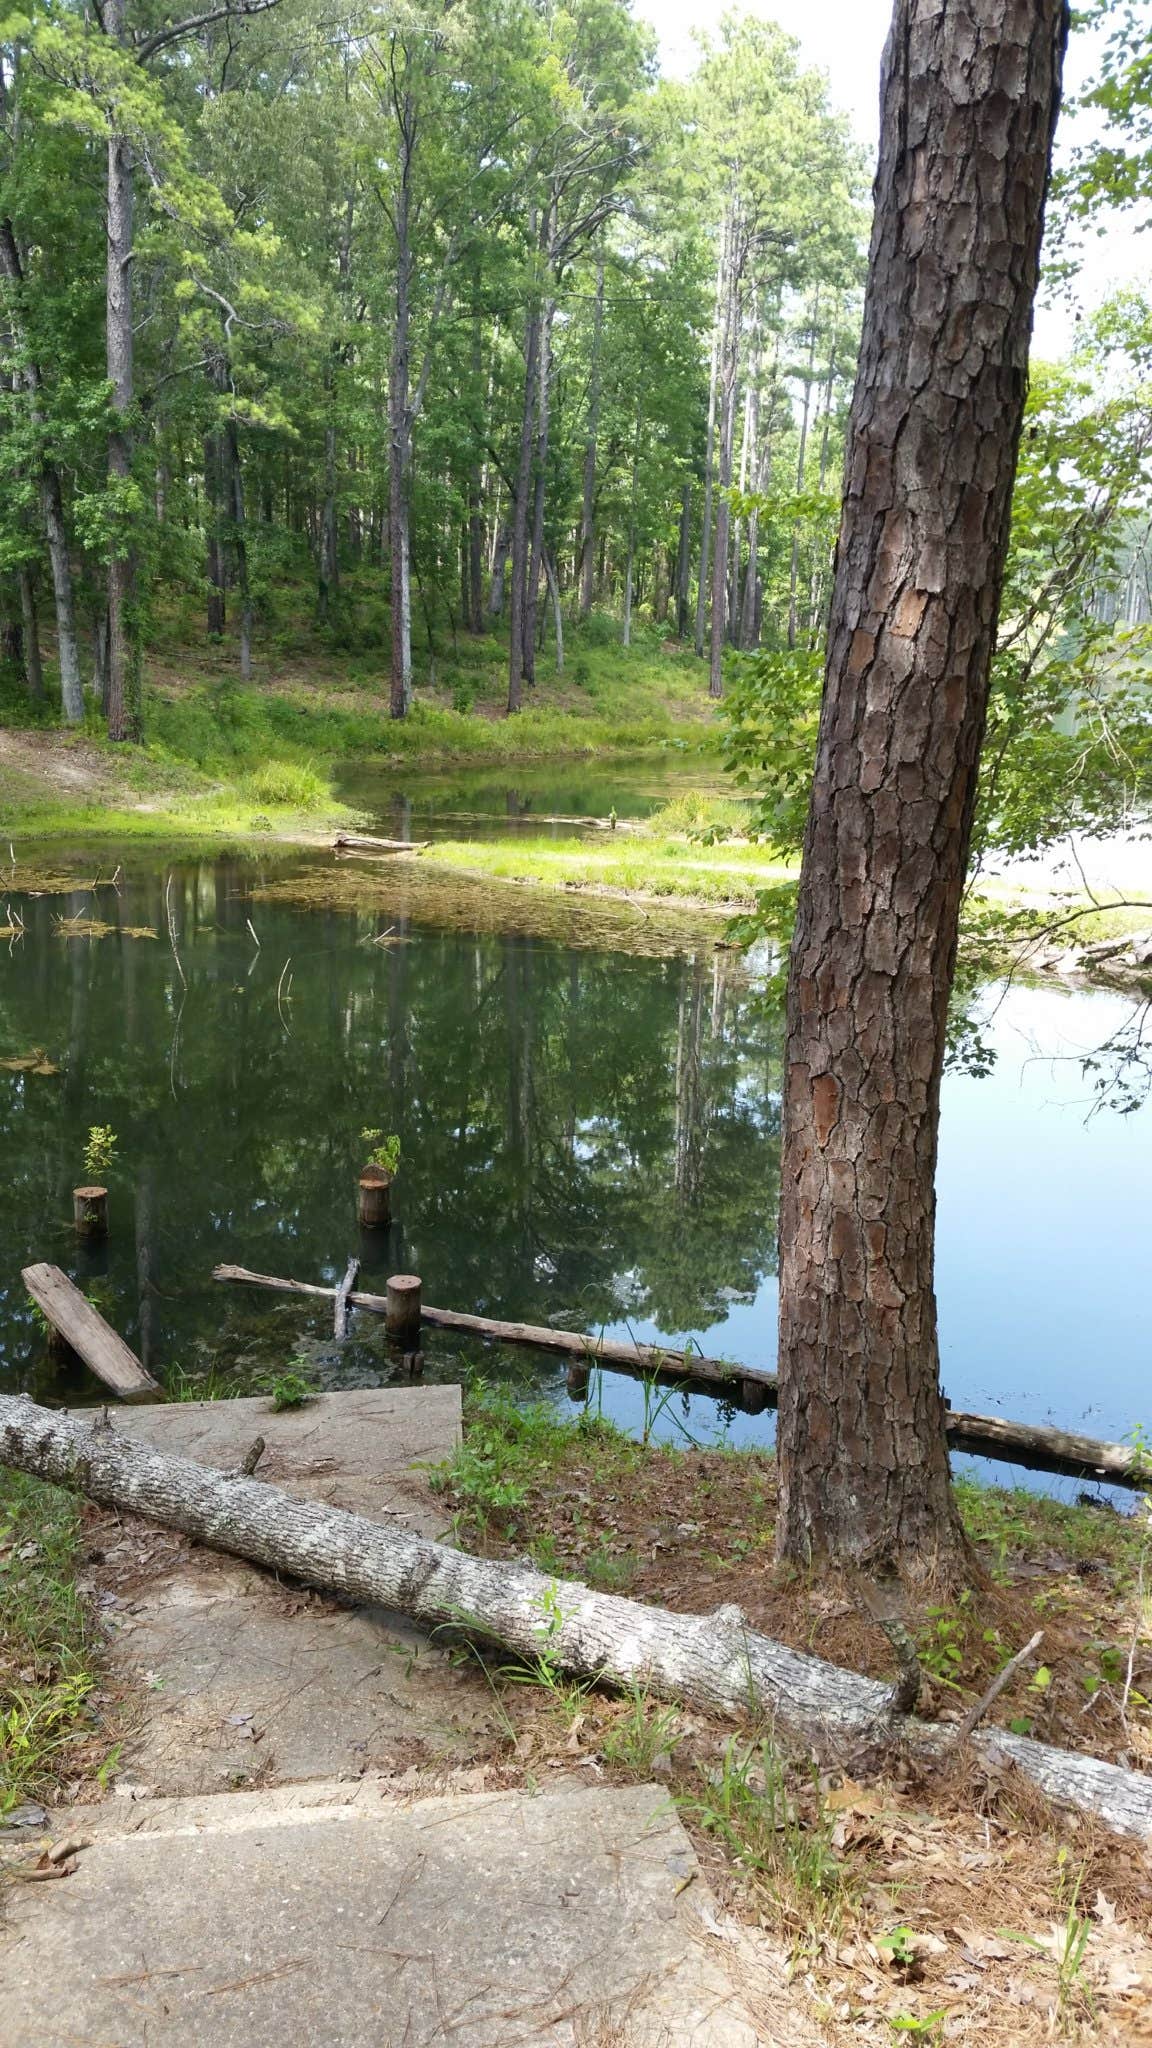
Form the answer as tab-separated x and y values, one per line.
1035	1445
714	1660
359	842
79	1324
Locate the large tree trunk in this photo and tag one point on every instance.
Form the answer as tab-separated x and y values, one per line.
716	1660
969	101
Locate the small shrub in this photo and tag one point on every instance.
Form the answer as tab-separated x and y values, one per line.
288	785
99	1150
383	1151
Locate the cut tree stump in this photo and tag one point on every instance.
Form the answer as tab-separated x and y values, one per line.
103	1352
1035	1445
715	1660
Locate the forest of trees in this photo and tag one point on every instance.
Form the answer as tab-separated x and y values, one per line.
460	301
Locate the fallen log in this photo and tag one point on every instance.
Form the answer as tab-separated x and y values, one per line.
360	842
1035	1445
80	1325
714	1660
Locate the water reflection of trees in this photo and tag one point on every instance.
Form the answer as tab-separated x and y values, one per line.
582	1132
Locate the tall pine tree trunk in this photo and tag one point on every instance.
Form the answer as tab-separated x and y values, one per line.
683	563
710	444
588	505
399	427
729	349
969	99
121	678
520	506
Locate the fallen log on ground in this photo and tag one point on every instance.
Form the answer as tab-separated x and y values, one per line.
81	1326
1035	1445
714	1660
359	842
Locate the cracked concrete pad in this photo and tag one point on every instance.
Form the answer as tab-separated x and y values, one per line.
244	1680
342	1918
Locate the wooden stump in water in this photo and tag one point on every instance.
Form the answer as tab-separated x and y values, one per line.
90	1211
374	1206
576	1380
402	1317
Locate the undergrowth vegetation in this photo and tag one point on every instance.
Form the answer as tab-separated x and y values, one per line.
51	1726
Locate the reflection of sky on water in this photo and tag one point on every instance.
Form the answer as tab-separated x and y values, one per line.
1043	1273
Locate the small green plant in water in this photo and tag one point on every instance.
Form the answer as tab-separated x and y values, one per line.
383	1150
99	1150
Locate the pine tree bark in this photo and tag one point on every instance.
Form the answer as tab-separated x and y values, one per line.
969	99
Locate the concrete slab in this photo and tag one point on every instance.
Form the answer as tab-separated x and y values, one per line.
342	1918
355	1450
245	1681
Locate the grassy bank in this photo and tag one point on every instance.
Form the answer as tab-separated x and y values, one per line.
208	739
651	865
946	1903
54	1730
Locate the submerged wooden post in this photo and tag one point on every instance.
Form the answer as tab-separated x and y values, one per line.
576	1381
90	1211
402	1315
374	1205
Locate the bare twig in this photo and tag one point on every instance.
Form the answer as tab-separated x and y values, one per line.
976	1714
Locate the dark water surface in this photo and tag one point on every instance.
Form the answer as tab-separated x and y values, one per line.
589	1136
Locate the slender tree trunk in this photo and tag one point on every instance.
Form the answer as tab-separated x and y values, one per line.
539	489
520	513
51	501
588	506
728	358
329	578
631	535
794	573
399	426
969	100
240	547
499	569
33	665
683	562
214	520
123	713
557	611
710	442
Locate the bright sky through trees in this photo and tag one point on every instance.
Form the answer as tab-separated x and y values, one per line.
846	38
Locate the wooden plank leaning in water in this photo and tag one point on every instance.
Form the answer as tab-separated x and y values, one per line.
1035	1445
717	1661
103	1352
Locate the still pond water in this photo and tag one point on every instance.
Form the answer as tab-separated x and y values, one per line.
589	1135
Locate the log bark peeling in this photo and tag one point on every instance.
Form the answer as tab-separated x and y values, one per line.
714	1660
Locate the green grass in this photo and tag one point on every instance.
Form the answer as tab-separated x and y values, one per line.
632	863
48	1645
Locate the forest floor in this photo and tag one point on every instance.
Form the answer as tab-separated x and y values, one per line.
949	1906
